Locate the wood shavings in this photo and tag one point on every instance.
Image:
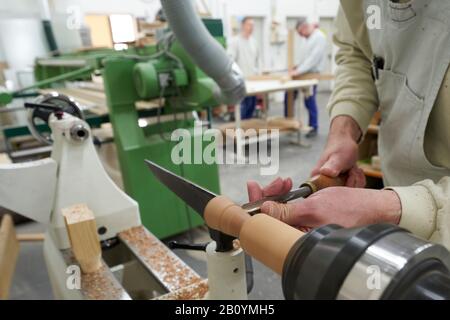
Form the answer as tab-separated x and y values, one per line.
99	285
173	273
196	291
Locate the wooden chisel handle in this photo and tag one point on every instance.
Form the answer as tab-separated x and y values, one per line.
320	182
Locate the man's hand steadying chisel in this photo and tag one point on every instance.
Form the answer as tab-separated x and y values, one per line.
344	206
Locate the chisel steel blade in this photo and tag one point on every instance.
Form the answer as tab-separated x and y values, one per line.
255	207
193	195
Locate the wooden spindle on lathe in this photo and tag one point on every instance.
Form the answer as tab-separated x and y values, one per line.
261	236
264	238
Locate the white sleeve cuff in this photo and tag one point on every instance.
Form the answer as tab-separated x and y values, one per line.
418	210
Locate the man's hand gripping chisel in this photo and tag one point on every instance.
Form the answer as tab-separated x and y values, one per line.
305	190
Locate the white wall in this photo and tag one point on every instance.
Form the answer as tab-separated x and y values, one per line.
67	15
65	12
138	8
19	9
2	53
22	40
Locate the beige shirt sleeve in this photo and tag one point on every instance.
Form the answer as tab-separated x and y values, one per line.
425	205
355	93
426	209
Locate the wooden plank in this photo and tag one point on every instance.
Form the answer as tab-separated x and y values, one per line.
9	250
315	76
286	77
291	49
281	124
99	26
93	95
150	25
95	101
82	231
284	123
291	65
272	76
94	105
271	86
31	237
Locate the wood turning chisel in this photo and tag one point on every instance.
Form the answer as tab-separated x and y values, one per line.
197	197
305	190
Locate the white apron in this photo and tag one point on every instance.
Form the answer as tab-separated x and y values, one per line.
414	42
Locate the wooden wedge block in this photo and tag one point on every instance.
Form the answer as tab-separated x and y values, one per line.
30	237
82	230
9	250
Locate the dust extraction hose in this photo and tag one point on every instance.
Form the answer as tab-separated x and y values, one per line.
204	50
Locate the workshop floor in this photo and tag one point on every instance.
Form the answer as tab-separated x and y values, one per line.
31	279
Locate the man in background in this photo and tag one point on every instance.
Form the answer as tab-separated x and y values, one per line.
244	50
315	55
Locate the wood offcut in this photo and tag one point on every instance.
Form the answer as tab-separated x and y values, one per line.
82	231
9	250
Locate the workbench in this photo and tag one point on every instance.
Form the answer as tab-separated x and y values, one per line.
265	87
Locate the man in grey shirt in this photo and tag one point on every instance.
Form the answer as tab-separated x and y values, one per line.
244	50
